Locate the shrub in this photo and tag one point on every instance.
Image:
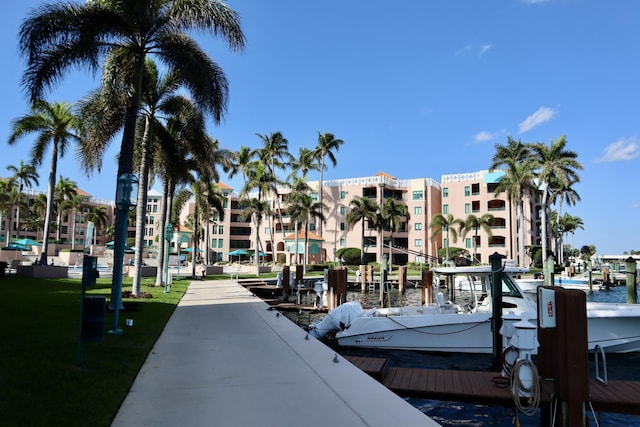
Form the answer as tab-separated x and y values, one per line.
351	256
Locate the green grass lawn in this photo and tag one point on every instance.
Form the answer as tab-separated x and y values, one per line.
41	381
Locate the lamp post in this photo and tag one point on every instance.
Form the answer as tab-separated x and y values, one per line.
168	235
126	200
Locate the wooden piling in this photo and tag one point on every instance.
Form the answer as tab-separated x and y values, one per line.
427	287
402	278
286	276
632	287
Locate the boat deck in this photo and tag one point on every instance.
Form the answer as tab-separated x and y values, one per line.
488	387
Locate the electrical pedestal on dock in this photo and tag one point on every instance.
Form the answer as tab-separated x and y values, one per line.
563	354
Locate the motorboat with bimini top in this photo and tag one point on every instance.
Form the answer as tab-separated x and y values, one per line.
463	324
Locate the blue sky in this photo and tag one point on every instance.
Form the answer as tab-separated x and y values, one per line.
417	89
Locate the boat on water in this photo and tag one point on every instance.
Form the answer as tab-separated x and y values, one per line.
463	323
575	282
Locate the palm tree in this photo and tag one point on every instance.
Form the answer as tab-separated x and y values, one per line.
475	223
65	190
75	204
60	36
99	216
256	209
561	192
243	162
6	186
327	144
302	209
517	182
361	209
446	223
54	123
392	214
25	175
275	154
553	164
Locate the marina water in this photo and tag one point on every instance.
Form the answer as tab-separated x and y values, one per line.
620	367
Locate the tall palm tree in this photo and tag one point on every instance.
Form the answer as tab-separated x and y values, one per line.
24	175
299	187
475	223
302	209
99	216
518	181
60	36
65	190
6	185
75	205
561	192
327	144
392	213
445	223
360	210
54	123
275	154
243	161
256	209
553	163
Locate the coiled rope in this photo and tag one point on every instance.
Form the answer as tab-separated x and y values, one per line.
531	403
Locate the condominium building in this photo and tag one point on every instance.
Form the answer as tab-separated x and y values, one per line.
457	194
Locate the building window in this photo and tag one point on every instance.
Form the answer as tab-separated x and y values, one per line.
213	243
467	191
342	226
445	242
445	192
467	242
220	243
267	230
343	195
417	210
343	210
417	226
417	243
151	219
445	209
312	226
343	242
418	195
314	196
467	208
221	229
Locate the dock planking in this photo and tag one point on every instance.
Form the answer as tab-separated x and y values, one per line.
488	388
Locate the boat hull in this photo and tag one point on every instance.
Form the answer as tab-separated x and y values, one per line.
615	329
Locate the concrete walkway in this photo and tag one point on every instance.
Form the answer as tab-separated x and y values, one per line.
224	359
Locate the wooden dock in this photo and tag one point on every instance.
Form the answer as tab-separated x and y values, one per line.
488	388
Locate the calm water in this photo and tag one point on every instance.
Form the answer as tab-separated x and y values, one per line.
620	366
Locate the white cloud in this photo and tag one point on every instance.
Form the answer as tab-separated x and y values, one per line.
484	49
623	149
485	136
542	115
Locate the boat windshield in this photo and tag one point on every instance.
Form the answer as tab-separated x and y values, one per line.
509	288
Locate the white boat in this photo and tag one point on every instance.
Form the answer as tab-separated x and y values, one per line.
575	282
464	324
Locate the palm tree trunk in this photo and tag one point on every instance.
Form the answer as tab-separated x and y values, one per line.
520	220
362	245
163	246
256	259
141	209
51	185
544	226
